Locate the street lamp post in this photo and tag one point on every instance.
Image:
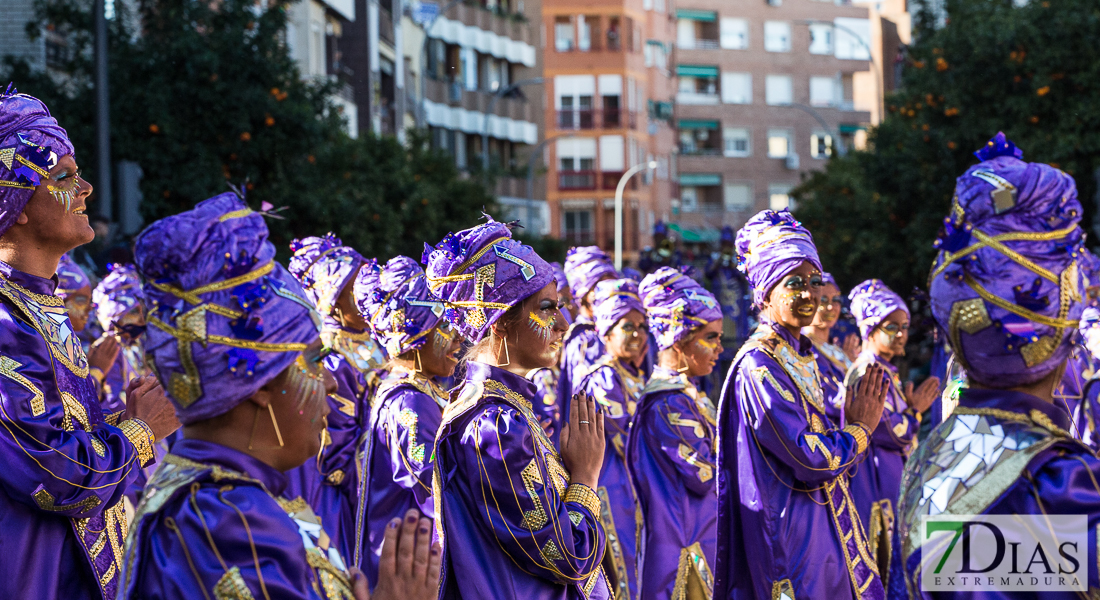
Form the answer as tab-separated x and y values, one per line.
874	65
492	104
820	121
619	209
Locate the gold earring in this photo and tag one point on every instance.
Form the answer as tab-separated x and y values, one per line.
507	357
686	367
274	423
419	365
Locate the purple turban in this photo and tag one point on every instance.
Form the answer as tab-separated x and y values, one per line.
70	277
1006	285
614	299
828	279
31	143
116	294
770	245
872	302
398	306
224	317
632	273
675	305
324	267
482	272
585	266
559	276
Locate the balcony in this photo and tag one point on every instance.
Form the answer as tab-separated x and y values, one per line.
609	118
577	180
579	237
697	98
454	91
698	44
609	180
385	25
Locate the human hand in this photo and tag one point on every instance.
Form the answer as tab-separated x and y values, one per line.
583	442
548	426
923	397
409	567
145	400
103	353
851	346
866	398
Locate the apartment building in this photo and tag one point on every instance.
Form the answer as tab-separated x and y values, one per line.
314	31
766	93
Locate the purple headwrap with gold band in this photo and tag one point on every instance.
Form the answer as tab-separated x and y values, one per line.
559	276
614	299
482	272
117	294
872	302
770	245
325	267
1006	285
584	267
676	305
31	143
70	277
398	306
224	317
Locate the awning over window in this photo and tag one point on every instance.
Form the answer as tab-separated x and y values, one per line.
696	179
696	236
697	71
849	128
708	16
698	124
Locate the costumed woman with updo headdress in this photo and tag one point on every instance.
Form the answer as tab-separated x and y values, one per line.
75	288
330	483
832	361
406	410
670	451
616	384
883	319
517	519
120	309
214	521
1006	288
1081	368
786	524
584	268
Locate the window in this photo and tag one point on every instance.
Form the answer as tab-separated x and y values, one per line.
584	39
563	34
823	91
821	38
779	196
689	199
779	143
469	68
738	197
611	153
778	89
849	46
733	34
577	225
737	88
777	36
685	33
737	142
821	145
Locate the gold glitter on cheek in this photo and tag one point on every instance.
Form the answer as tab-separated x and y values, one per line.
707	345
543	327
441	341
307	383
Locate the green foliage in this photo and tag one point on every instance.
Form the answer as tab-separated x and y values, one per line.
207	93
1032	72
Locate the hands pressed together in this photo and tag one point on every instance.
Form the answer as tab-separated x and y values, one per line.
409	568
582	441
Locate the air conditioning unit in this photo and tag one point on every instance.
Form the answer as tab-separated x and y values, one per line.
793	161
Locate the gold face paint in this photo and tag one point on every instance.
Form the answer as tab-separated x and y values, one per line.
707	345
307	381
65	193
441	339
78	306
543	327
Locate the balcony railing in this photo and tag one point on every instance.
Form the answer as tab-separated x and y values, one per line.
609	180
698	44
587	118
576	180
579	237
385	25
454	91
697	151
697	98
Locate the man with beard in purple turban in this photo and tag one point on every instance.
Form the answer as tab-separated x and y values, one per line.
883	319
582	347
670	450
518	518
120	309
1006	287
327	270
787	527
399	441
66	463
238	346
616	384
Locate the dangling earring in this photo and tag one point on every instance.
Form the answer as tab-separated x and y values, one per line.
507	357
278	434
419	365
686	367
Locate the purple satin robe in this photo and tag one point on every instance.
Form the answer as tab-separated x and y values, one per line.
581	348
215	523
397	457
512	524
832	366
330	483
786	524
1080	368
876	481
546	403
670	452
65	469
1024	465
616	388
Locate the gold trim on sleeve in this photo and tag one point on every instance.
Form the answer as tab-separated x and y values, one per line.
860	434
583	495
141	437
8	368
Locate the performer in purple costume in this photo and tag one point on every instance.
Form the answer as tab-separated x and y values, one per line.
1083	363
616	384
883	321
66	463
670	450
517	519
74	287
786	525
1006	449
408	407
120	309
547	405
832	360
565	294
1087	416
584	267
330	483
